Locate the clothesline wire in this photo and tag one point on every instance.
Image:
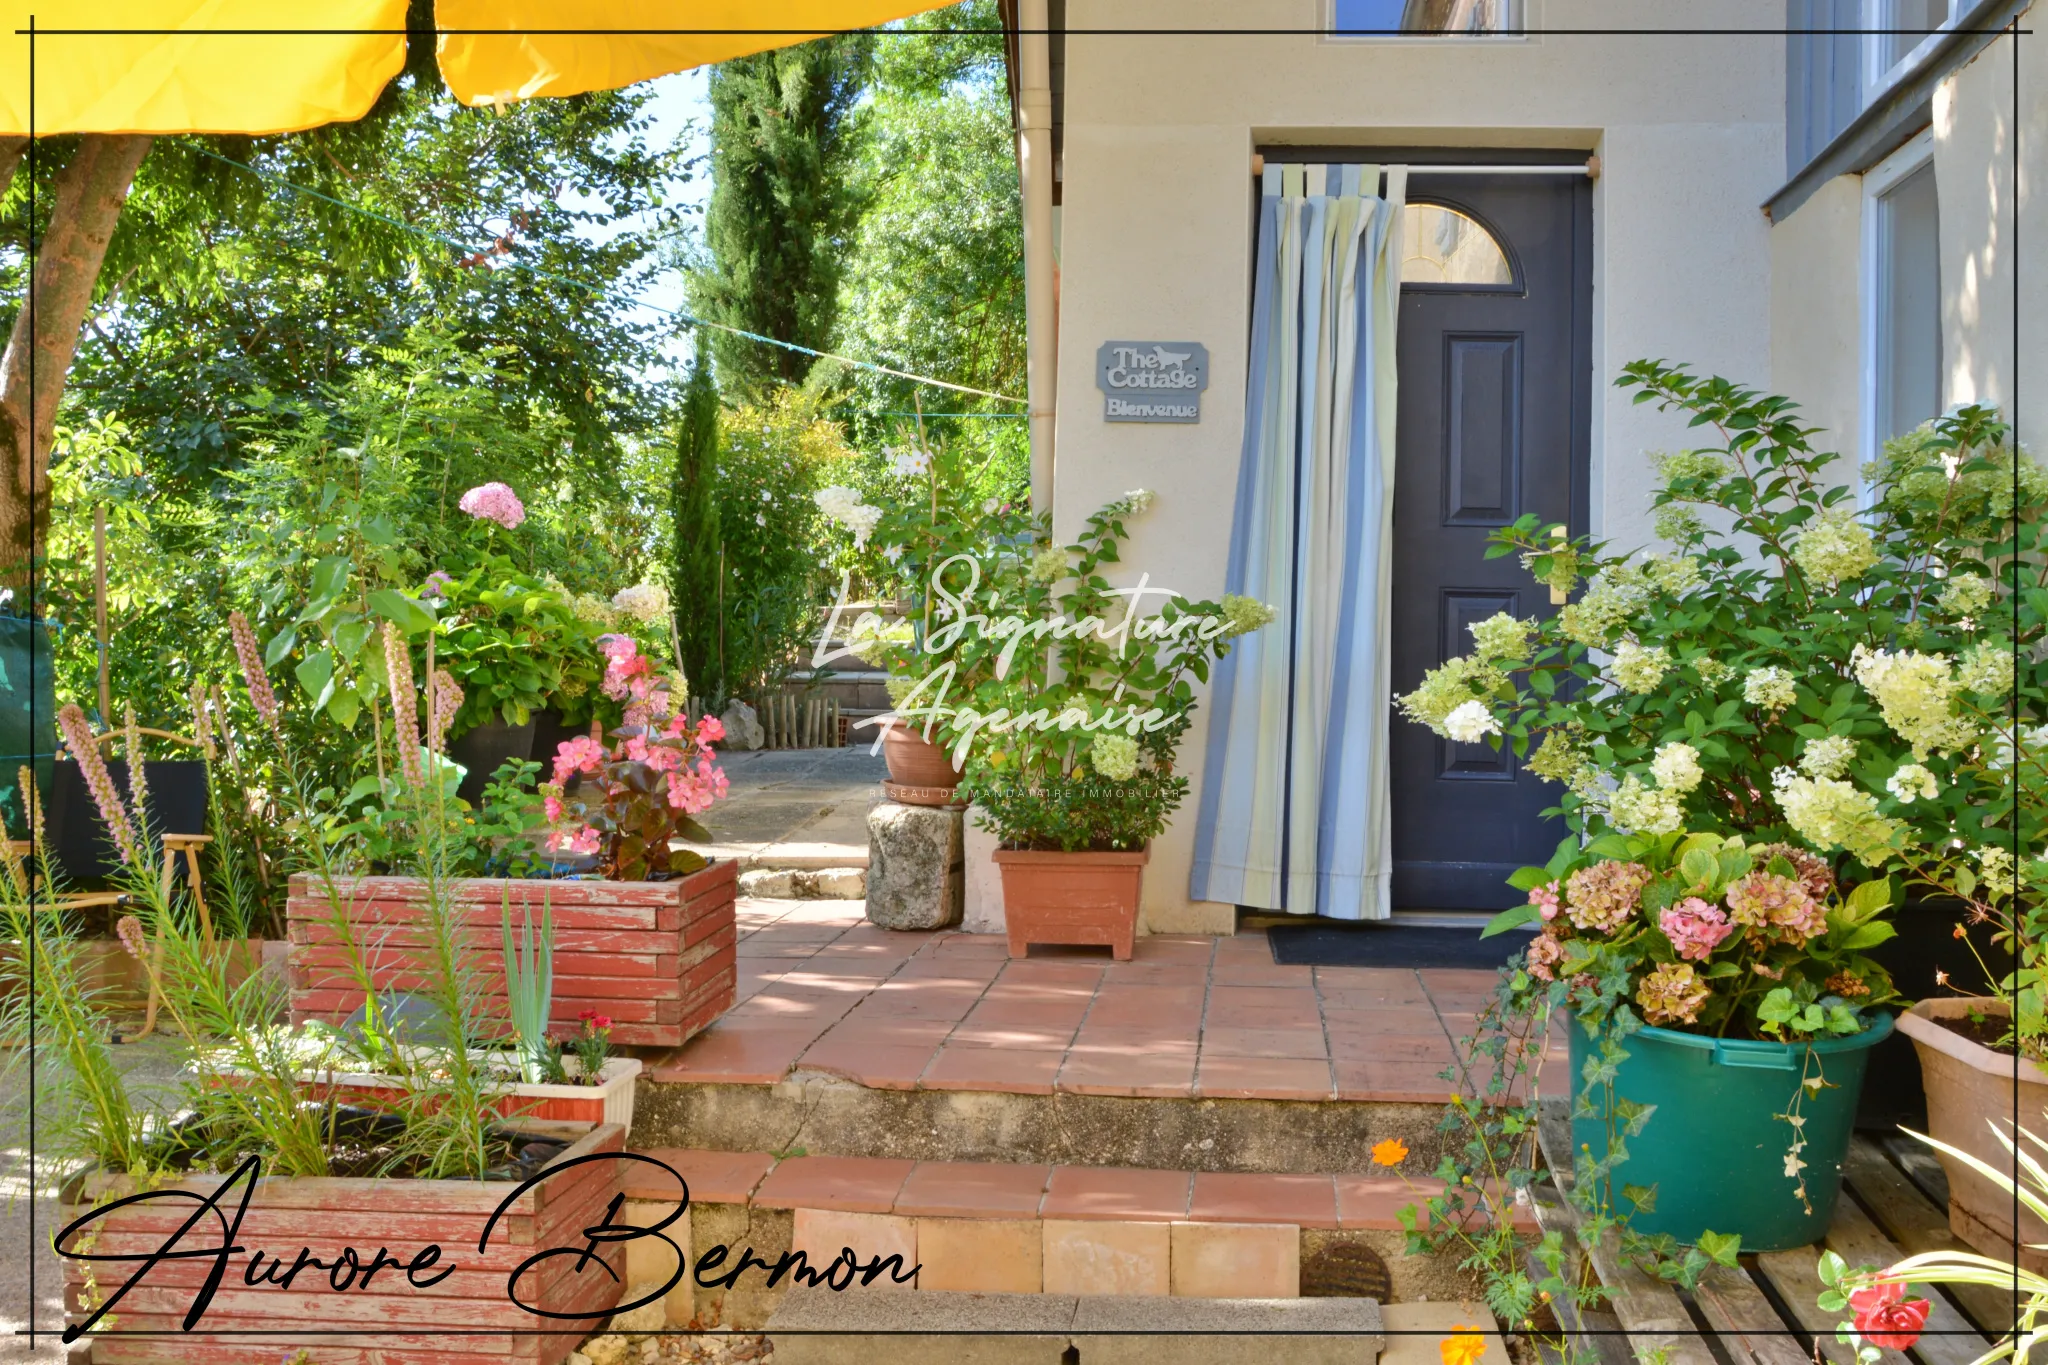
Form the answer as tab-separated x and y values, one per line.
689	319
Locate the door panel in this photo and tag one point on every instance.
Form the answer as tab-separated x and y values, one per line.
1493	423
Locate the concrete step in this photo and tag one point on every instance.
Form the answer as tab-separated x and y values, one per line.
818	1325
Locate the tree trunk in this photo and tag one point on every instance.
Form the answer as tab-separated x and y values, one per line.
90	193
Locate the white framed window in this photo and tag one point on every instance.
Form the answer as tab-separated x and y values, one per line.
1900	32
1404	20
1902	376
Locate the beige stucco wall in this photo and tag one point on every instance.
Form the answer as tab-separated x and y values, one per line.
1156	233
1975	122
1817	262
1816	312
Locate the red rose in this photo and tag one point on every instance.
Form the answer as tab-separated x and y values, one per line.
1886	1318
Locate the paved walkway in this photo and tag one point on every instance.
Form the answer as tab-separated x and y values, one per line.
822	990
796	808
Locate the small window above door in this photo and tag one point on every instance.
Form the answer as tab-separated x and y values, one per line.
1441	246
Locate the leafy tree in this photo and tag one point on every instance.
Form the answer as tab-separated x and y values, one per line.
698	601
784	129
935	280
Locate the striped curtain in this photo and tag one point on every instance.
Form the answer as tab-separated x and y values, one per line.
1294	793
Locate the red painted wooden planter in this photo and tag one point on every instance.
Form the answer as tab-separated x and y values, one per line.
658	957
327	1215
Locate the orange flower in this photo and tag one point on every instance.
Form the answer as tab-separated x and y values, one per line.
1389	1152
1464	1346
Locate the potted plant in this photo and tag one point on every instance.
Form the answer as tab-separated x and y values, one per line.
429	1161
931	516
1069	748
1727	1007
649	941
1842	686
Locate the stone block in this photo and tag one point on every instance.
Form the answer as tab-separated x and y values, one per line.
769	883
1110	1330
742	727
649	1259
1237	1260
818	1327
1107	1258
823	1234
914	866
839	883
984	880
981	1255
648	1317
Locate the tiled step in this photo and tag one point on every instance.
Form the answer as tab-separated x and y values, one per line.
817	1325
851	1040
1019	1229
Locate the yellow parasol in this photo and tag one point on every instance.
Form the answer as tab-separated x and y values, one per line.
261	66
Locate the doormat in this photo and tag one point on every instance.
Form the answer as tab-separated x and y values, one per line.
1390	945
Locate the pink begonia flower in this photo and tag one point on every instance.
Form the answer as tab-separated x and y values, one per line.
1695	927
1546	898
579	755
494	502
580	843
710	730
552	808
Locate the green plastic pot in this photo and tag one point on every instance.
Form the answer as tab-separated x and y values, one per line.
1715	1149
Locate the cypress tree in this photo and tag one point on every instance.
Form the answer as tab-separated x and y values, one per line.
694	589
784	203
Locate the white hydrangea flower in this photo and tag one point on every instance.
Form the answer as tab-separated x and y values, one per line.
1642	809
1638	669
1911	783
843	505
1994	870
644	602
1998	750
1830	814
1770	687
1916	693
1049	564
1138	501
1676	767
1115	756
1470	722
1986	670
1711	670
1501	636
1244	615
1829	756
1835	548
1965	595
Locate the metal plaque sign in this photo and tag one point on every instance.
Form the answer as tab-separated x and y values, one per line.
1152	381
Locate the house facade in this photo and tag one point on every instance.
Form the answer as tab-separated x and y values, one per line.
1835	215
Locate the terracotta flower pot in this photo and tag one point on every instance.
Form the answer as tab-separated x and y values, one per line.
1970	1088
1071	898
920	771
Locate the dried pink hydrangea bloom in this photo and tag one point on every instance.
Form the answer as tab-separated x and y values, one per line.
1811	869
79	739
1673	994
1603	897
1545	899
1764	901
1542	958
1695	927
494	502
250	655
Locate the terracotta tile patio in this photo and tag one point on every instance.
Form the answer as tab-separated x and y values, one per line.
820	989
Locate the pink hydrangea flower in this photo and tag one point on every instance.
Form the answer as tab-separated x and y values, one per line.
437	584
494	502
1545	898
1695	927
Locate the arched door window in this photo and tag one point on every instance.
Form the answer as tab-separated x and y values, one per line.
1445	247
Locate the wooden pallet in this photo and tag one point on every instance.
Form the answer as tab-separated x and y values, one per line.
1764	1313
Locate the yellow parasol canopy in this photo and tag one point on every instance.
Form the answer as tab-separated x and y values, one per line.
183	66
